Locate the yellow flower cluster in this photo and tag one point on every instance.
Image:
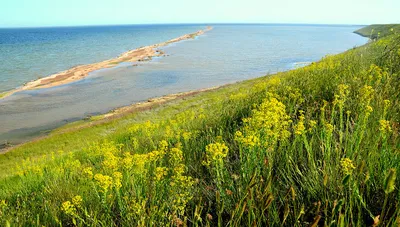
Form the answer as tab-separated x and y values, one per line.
347	166
180	191
329	128
385	126
163	145
186	136
300	128
376	74
103	181
268	122
249	140
215	152
68	208
369	109
88	171
160	173
340	98
366	94
294	94
77	201
176	155
71	207
312	124
127	160
386	105
111	161
117	180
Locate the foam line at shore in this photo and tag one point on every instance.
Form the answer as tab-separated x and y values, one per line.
79	72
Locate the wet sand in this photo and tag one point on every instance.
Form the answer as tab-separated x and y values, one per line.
79	72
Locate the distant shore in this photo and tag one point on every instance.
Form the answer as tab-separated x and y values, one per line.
79	72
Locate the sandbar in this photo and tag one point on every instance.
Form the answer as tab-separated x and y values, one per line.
79	72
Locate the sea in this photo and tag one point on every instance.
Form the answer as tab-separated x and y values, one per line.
226	54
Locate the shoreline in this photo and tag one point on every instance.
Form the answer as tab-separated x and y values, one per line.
114	114
82	71
125	110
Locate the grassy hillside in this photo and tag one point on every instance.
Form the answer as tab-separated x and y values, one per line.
313	146
378	30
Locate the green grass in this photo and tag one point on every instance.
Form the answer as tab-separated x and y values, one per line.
74	140
378	30
315	146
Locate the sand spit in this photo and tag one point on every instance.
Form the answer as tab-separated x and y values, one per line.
81	71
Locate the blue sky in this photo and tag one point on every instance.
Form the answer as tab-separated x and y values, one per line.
38	13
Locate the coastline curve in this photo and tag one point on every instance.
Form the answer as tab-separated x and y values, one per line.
81	71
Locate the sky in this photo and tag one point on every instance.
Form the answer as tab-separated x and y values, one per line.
43	13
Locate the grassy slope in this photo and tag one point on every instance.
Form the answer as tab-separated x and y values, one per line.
378	30
85	135
320	147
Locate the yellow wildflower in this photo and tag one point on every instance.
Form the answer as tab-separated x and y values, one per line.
312	124
268	121
250	140
347	166
160	173
117	178
216	152
385	126
340	99
186	136
369	109
238	135
88	172
163	145
77	201
104	181
110	161
300	128
386	103
176	155
329	128
127	160
386	106
366	94
68	208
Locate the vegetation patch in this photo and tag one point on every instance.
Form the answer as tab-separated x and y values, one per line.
315	146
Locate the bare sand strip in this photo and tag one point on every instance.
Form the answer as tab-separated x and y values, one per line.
82	71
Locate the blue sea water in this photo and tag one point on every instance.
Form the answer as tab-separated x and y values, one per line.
226	54
30	53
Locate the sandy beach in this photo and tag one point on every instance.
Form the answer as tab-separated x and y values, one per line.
79	72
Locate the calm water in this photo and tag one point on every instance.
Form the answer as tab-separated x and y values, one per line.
226	54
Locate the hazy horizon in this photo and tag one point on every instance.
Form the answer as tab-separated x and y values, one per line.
47	13
205	24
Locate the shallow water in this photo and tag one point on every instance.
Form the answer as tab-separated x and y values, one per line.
226	54
30	53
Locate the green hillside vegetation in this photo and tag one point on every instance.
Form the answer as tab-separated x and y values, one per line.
378	30
315	146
